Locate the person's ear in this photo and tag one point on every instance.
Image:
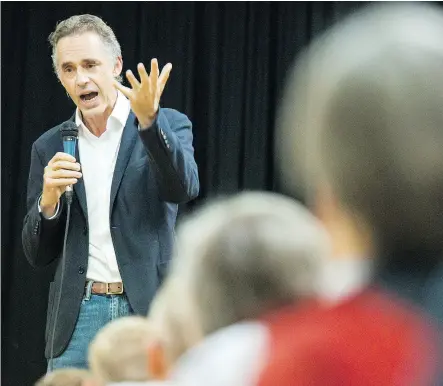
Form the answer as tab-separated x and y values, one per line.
156	361
118	67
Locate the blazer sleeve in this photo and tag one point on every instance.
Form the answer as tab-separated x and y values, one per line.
42	239
169	145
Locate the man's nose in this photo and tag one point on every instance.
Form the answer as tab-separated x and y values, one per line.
82	79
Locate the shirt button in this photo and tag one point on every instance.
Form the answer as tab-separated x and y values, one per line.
81	270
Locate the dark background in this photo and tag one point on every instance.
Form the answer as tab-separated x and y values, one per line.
229	65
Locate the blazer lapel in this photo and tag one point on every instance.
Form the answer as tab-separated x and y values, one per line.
79	188
127	143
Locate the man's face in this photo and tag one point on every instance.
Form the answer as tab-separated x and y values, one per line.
87	70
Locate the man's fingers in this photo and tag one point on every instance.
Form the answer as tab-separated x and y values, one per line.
133	80
65	165
162	87
164	76
144	77
55	182
126	91
62	173
60	156
154	74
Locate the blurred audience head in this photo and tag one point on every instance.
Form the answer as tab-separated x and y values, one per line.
248	254
119	350
69	377
175	317
360	130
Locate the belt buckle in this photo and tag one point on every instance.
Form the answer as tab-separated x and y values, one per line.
109	292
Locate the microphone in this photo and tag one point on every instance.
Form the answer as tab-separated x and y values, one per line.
69	133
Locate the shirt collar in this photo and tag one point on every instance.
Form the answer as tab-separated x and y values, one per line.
119	113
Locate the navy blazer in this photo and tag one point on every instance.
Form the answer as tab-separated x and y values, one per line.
155	171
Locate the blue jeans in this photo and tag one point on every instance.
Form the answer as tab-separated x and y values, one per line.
95	312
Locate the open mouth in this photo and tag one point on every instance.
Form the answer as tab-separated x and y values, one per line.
89	97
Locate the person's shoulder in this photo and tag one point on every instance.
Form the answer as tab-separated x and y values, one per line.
224	354
48	136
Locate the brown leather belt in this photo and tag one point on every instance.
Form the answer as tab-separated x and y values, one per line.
107	288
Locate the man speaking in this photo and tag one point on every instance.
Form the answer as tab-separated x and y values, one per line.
134	164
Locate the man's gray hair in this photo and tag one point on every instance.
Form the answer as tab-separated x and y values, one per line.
245	255
79	24
362	114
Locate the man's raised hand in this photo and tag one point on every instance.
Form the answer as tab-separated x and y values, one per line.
144	96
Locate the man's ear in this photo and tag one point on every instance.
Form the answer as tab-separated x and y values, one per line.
157	363
118	66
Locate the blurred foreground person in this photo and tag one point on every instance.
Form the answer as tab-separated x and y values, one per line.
361	133
69	377
174	314
237	259
118	352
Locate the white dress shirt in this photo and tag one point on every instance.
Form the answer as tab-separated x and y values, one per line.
98	156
